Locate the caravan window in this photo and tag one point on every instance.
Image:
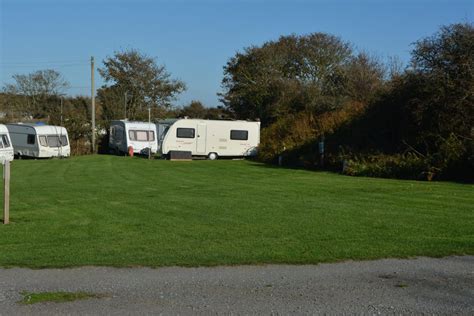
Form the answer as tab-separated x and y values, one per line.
141	135
239	135
5	141
185	132
42	141
53	140
63	140
30	140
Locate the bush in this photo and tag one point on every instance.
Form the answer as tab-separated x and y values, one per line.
298	134
402	166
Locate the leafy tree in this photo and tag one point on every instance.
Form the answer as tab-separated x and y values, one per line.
364	77
443	68
39	92
195	109
426	110
316	73
76	119
143	82
218	113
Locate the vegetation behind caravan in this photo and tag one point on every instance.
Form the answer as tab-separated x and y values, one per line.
364	110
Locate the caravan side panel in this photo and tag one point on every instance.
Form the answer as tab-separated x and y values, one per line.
202	137
43	141
6	148
24	140
138	135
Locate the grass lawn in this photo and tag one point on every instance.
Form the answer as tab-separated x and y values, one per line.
119	211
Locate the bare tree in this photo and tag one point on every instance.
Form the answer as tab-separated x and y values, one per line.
36	90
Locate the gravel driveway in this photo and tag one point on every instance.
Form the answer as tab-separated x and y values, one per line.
423	285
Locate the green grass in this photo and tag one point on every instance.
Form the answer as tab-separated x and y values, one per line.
56	297
119	211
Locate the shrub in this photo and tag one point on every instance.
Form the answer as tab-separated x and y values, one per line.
298	134
401	166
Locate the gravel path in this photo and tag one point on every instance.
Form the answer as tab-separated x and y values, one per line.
423	285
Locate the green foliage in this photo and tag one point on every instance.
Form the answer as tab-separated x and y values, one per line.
426	110
293	74
402	166
196	109
135	82
141	212
296	136
35	95
76	119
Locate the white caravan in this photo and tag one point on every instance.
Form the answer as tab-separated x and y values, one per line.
39	141
210	138
6	149
140	136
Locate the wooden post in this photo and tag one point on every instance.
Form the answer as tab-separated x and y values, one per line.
6	192
93	104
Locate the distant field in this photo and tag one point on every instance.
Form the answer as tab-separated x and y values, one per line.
119	211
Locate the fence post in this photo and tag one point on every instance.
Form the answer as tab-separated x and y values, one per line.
6	191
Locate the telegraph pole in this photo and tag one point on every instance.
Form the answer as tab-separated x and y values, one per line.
61	111
93	104
61	131
149	132
125	105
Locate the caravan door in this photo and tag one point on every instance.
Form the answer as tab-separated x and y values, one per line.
201	139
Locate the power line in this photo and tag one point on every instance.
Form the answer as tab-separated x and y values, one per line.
44	65
83	61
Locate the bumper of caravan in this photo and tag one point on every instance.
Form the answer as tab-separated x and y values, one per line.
64	152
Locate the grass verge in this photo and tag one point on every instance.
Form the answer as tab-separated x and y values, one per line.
55	297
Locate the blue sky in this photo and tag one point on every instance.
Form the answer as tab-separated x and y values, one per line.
194	39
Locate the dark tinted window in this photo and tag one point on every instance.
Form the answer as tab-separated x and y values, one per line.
185	132
63	140
30	139
5	141
239	135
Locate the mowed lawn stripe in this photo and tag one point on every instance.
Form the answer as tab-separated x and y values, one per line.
121	211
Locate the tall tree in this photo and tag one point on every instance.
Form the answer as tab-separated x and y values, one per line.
195	109
136	79
443	67
286	76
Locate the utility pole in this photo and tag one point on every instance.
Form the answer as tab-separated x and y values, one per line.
125	105
93	104
61	131
61	111
149	132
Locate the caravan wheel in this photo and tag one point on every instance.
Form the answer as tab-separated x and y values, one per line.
212	156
